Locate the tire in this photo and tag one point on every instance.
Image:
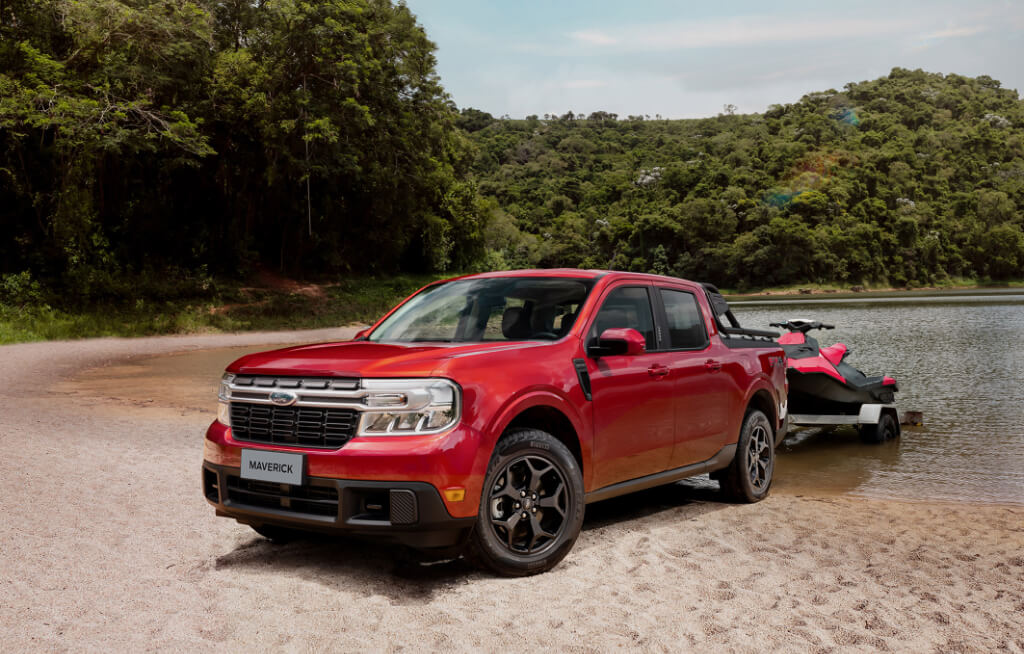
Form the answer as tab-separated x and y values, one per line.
278	535
886	429
531	473
749	477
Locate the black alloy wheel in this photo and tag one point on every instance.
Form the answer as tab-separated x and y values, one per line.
531	511
760	459
528	504
749	476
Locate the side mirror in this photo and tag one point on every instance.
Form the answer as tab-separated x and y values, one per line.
361	334
618	341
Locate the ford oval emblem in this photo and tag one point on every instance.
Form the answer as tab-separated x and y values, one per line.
283	398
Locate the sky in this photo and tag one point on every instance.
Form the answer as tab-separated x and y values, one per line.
686	60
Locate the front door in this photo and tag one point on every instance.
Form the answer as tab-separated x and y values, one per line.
633	404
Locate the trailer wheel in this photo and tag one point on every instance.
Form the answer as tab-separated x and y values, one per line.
886	429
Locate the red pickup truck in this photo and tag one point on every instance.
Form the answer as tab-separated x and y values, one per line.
484	412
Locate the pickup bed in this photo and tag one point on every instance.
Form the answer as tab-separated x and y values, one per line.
483	413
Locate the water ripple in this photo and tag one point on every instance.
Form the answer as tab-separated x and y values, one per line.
958	360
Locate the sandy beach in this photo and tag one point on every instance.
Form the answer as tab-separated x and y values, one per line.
107	544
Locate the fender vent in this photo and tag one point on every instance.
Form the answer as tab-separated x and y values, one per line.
583	376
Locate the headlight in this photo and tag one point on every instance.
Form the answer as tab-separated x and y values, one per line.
400	407
223	395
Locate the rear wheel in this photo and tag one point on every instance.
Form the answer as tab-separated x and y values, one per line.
532	506
886	429
749	477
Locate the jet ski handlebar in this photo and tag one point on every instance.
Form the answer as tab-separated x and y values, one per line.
801	325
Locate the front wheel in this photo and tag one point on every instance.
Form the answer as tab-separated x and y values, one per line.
749	476
532	506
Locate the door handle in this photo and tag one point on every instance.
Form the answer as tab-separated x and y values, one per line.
713	366
658	370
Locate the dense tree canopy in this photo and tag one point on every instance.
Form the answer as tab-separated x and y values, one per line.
911	178
138	135
155	138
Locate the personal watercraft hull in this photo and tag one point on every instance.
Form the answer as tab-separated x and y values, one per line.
821	393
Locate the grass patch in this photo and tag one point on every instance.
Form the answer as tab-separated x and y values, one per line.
232	308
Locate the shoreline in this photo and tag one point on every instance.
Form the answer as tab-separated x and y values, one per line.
791	293
326	306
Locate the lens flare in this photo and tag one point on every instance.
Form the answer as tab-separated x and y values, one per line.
847	115
808	174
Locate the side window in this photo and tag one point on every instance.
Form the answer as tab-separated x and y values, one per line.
627	307
685	323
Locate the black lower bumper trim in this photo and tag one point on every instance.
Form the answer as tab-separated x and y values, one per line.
410	513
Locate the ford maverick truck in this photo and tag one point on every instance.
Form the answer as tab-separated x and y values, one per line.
484	412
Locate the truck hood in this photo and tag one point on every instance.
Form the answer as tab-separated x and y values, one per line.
363	359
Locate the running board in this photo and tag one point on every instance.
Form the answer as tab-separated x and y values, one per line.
717	462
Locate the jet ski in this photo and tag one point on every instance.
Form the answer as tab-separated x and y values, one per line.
826	390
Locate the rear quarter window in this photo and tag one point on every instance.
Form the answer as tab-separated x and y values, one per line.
685	320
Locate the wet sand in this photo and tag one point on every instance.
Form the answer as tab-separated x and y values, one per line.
107	543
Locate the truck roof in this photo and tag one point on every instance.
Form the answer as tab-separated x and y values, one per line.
575	273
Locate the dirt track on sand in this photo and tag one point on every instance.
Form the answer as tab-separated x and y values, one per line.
106	543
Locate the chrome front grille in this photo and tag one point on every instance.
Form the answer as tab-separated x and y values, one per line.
308	391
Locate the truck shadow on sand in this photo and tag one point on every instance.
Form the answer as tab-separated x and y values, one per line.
368	568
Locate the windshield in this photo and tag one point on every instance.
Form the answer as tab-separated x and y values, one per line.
491	309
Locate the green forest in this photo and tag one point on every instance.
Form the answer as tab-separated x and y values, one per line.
908	180
156	154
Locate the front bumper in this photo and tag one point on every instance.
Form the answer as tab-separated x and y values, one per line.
452	460
406	512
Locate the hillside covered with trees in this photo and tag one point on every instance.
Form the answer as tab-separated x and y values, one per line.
911	179
150	148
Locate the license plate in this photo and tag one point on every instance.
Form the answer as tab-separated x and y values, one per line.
278	467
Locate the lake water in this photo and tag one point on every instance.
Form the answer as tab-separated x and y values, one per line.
958	359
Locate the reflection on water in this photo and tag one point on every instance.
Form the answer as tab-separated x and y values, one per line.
959	360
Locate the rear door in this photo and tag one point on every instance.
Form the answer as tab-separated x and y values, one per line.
634	411
702	393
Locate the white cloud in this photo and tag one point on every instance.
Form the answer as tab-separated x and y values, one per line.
584	84
955	32
683	67
740	31
593	37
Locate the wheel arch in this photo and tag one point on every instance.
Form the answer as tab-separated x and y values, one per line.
549	419
549	413
763	401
